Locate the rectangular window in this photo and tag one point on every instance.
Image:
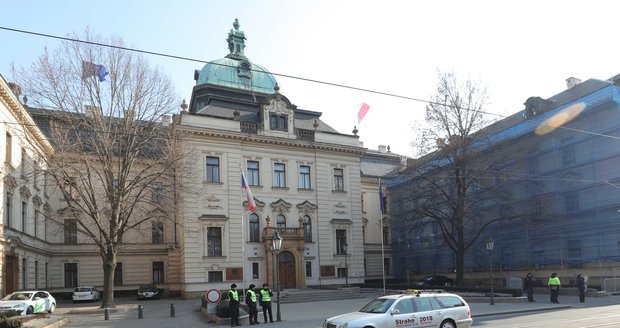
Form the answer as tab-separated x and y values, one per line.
234	273
35	177
158	272
341	241
157	193
214	241
338	180
342	272
118	274
9	148
8	210
216	276
253	173
23	162
70	226
279	175
24	216
387	264
45	183
308	268
24	273
386	235
254	228
255	270
213	169
363	208
36	223
46	275
36	274
71	275
571	201
278	122
304	177
568	155
157	232
573	249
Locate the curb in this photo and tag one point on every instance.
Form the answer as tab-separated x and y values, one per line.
58	323
522	311
93	310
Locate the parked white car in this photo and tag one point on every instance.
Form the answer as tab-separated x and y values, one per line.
437	310
86	293
28	302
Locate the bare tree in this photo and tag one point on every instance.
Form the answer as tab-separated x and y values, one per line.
457	186
114	162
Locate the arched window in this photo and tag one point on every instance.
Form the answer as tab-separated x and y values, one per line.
308	228
254	228
280	221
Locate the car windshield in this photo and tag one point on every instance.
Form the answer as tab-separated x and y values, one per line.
83	289
147	288
17	297
427	278
378	305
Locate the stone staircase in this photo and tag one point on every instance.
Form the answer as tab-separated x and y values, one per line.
312	295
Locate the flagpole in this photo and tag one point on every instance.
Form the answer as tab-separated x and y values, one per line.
381	204
242	242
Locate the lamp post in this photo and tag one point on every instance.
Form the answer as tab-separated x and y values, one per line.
345	247
276	246
489	244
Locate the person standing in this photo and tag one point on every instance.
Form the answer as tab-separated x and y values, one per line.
250	300
554	286
265	297
529	285
233	303
581	285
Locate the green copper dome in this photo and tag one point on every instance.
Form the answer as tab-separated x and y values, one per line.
235	70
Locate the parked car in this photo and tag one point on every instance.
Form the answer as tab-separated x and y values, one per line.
86	293
434	280
148	292
438	310
28	302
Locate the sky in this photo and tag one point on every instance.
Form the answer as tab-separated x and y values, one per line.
516	49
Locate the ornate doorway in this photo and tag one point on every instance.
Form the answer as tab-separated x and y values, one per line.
10	275
286	270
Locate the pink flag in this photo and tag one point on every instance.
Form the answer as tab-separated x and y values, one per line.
247	192
362	112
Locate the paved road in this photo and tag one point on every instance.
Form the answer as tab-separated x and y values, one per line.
312	314
589	317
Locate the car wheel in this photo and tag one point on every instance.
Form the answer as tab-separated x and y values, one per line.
447	324
29	310
52	307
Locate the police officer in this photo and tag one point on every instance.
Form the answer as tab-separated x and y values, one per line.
250	300
265	303
554	286
233	302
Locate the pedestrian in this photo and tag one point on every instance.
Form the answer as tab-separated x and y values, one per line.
265	302
529	285
581	285
554	286
233	303
250	300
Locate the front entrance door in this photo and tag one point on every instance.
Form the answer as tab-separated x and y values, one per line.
286	270
10	274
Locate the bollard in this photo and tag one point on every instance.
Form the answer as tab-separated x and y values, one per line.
106	314
172	310
140	311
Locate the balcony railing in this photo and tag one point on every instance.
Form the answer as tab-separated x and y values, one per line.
249	127
307	135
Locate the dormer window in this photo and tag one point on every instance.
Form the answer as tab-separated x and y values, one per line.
278	122
244	69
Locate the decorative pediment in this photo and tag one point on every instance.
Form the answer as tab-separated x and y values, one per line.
306	207
213	217
259	205
277	105
212	198
280	206
36	201
25	192
68	212
10	183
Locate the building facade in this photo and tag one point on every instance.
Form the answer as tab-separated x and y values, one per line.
566	182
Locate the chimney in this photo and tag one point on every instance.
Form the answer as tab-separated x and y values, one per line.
571	82
383	149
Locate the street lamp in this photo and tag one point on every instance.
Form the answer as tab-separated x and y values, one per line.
489	244
345	247
276	246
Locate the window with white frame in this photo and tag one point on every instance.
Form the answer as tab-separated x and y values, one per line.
254	228
157	232
304	177
71	275
341	241
281	221
158	272
253	173
308	228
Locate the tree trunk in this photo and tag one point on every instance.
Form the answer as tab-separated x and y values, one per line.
109	266
460	265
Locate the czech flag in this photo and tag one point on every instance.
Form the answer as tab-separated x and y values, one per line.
247	192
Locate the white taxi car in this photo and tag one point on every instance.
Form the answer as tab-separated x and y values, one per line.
28	302
437	310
